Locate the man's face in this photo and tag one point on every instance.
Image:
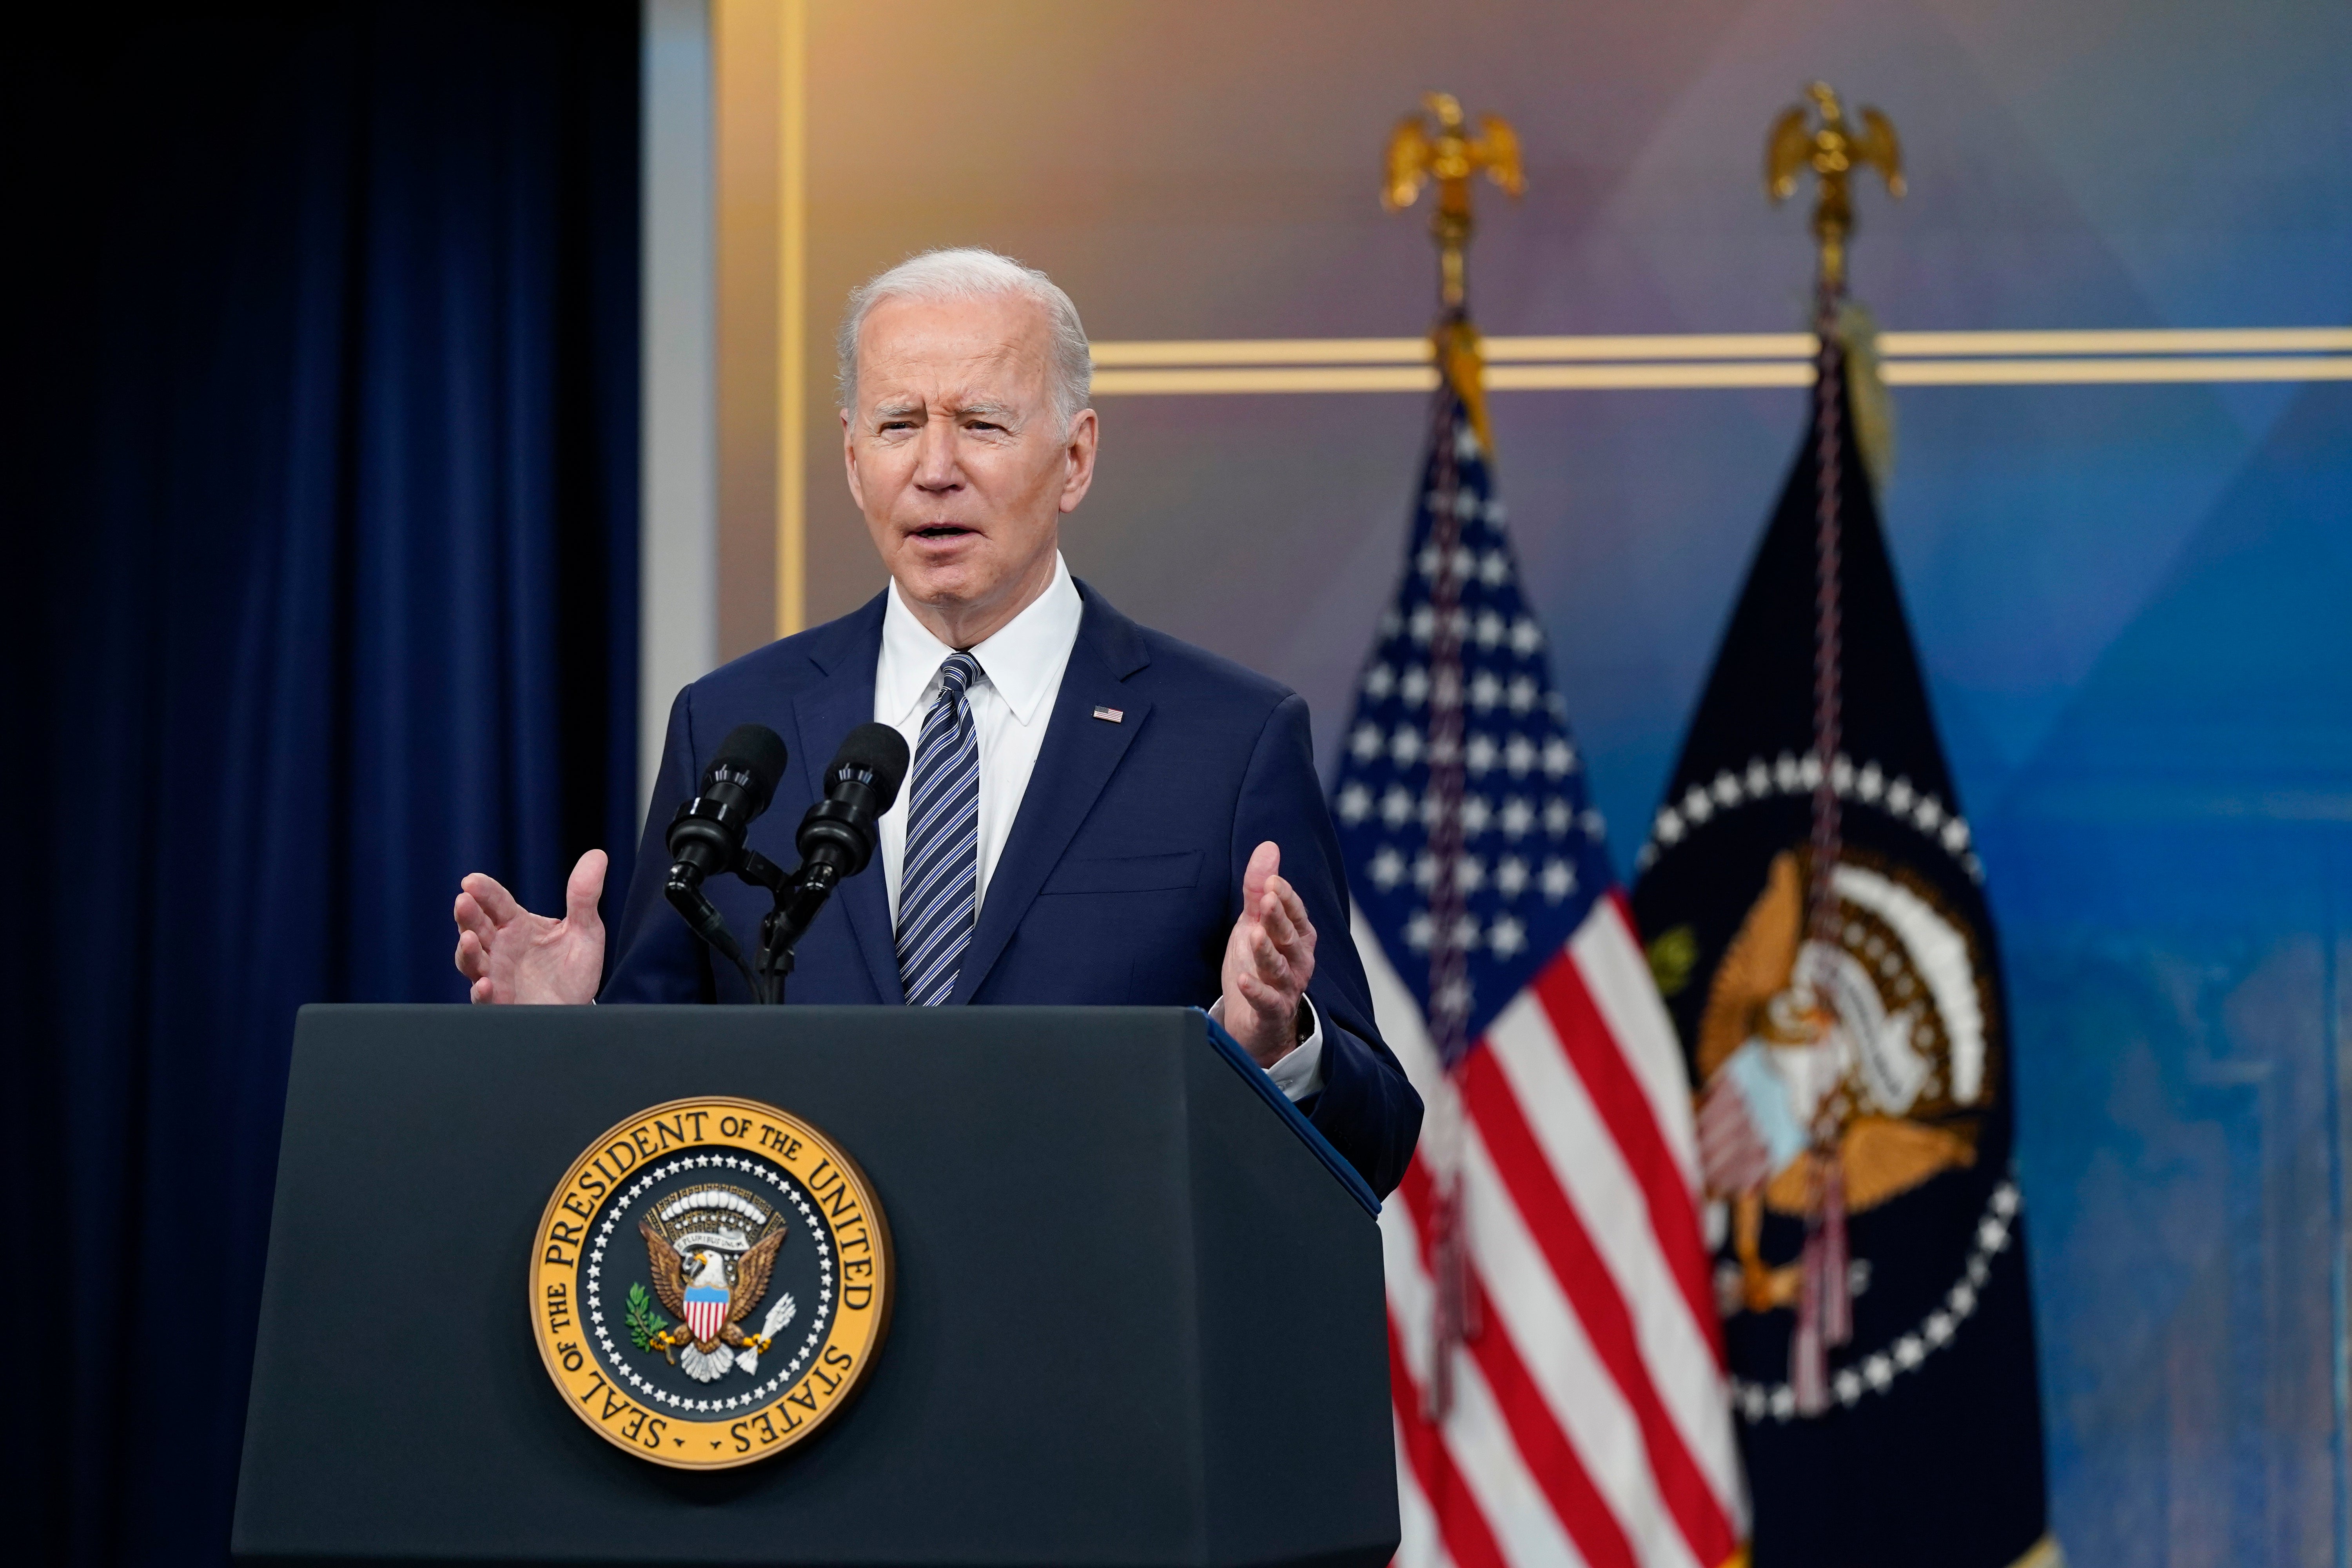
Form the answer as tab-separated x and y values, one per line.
958	459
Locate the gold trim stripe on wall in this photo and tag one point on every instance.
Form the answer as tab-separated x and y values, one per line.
1703	360
792	319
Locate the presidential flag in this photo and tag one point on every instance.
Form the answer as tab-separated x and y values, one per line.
1559	1395
1815	908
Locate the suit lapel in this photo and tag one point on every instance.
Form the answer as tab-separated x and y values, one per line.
1076	761
822	715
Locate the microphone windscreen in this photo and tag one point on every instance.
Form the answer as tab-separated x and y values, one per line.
759	751
878	749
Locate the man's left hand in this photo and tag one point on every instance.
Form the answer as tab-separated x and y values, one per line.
1269	958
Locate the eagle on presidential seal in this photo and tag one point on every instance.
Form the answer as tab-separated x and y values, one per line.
712	1250
1872	1049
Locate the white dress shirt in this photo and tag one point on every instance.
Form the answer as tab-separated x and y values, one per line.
1012	703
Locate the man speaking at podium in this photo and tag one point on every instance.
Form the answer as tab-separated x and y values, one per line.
1128	820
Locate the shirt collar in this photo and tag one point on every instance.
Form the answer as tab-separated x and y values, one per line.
1021	660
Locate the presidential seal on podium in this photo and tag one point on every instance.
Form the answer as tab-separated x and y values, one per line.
711	1281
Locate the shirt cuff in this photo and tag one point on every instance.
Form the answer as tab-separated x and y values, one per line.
1299	1072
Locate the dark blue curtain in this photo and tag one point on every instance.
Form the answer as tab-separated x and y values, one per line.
319	589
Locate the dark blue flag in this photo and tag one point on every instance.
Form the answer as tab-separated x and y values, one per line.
1816	918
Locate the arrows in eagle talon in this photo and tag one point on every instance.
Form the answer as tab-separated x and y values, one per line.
756	1345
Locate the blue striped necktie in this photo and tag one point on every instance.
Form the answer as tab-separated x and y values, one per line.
940	880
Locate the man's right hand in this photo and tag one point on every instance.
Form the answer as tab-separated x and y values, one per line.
513	955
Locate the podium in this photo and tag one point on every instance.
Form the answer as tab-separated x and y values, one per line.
1138	1312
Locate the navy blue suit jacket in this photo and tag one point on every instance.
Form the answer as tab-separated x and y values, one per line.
1120	881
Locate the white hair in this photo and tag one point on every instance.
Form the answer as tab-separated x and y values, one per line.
970	272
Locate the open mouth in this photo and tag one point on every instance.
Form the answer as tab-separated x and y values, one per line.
942	531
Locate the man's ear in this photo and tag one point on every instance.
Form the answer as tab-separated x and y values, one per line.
1078	453
849	461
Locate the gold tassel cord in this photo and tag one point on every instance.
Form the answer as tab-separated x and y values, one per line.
1871	407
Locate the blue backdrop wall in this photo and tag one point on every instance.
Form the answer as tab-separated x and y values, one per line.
320	586
2133	604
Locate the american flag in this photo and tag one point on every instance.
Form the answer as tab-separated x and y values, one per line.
1555	1359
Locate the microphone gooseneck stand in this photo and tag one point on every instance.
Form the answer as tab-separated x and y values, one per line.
798	897
702	917
836	840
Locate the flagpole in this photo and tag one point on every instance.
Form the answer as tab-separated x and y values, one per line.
1449	155
1831	149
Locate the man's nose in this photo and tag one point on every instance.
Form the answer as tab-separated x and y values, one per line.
935	457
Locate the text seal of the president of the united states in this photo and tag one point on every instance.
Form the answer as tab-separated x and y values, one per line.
711	1281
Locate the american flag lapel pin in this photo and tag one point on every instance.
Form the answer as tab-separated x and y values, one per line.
1113	715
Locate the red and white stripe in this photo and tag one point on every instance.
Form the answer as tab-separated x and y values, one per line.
1590	1420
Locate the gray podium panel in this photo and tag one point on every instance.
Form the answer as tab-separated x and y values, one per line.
1139	1319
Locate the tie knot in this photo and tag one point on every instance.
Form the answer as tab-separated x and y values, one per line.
957	672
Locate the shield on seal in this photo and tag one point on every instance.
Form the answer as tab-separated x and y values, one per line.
706	1311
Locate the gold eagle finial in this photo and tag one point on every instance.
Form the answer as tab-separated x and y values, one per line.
1833	150
1452	156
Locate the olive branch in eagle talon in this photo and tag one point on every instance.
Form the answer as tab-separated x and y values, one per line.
644	1323
670	1270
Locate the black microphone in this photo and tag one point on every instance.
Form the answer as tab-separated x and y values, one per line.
706	837
860	785
835	839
